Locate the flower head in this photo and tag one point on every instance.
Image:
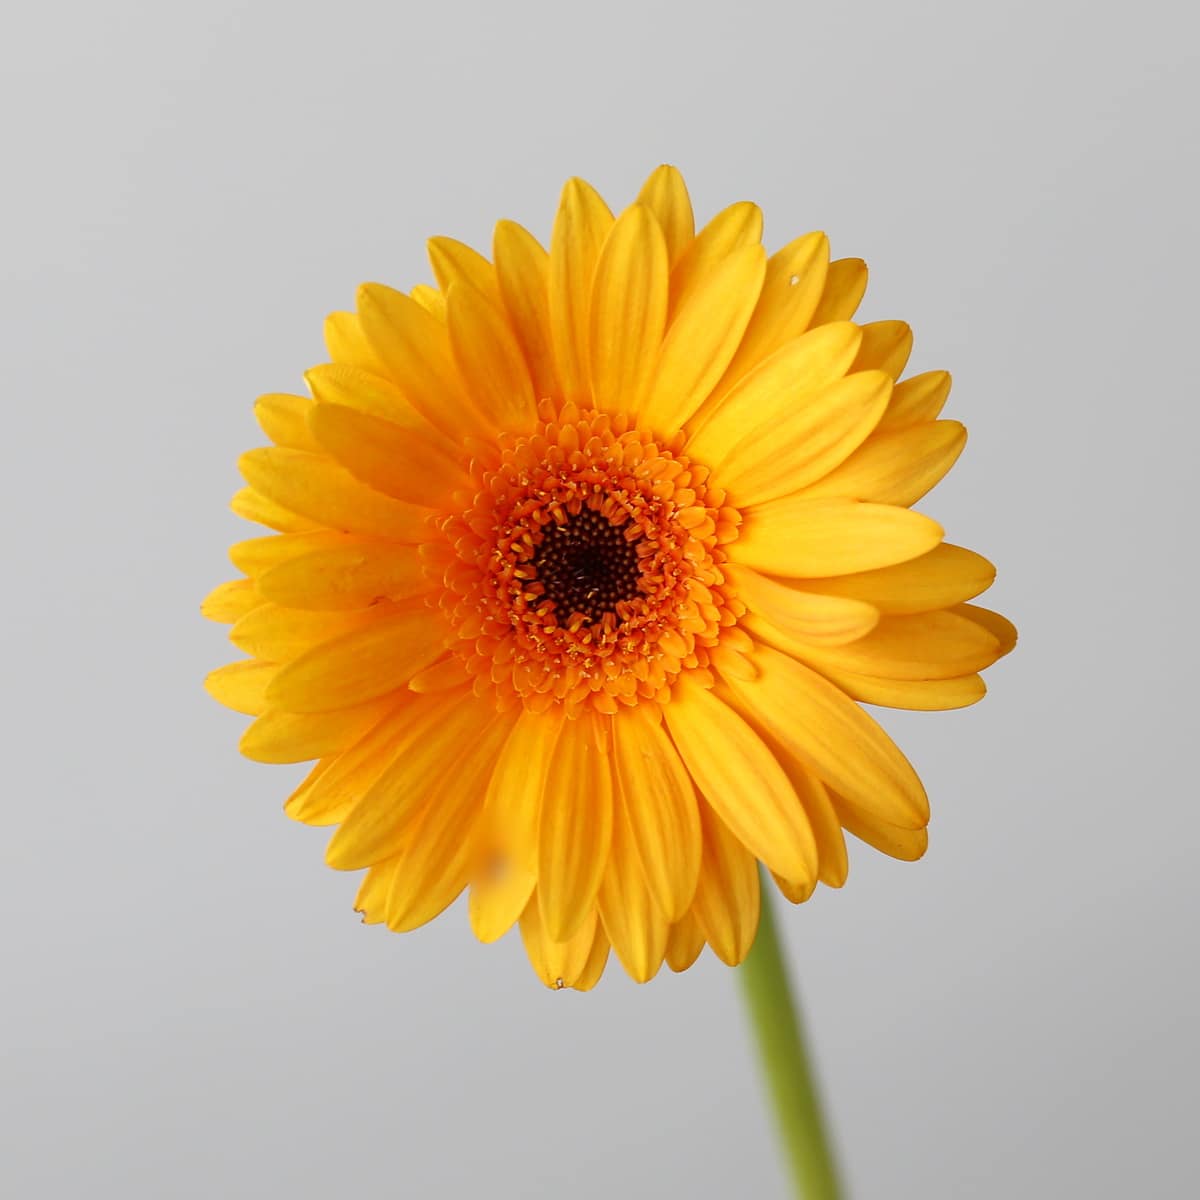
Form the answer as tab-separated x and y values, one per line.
582	563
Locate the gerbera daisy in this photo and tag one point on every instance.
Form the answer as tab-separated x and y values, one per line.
583	562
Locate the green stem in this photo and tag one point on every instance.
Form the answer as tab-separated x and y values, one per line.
776	1020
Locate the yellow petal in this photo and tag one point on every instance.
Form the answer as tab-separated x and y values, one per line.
436	864
684	943
490	360
833	737
255	556
252	506
792	287
523	271
358	666
497	902
518	782
574	828
666	196
845	286
627	311
415	350
919	695
563	964
947	575
241	686
933	645
350	387
920	398
399	462
348	345
908	845
661	808
448	672
431	300
796	892
774	391
830	620
597	959
277	634
740	778
440	736
580	227
801	538
886	346
371	899
1000	627
346	577
896	466
635	926
294	737
824	428
317	487
737	227
702	338
284	419
833	861
454	262
727	897
229	602
336	784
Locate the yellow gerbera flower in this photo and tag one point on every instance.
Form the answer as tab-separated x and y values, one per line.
583	563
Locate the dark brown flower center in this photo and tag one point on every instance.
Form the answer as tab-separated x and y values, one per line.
587	565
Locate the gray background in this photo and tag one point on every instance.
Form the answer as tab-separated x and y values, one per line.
191	1008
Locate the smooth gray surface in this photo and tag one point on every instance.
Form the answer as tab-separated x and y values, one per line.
191	1008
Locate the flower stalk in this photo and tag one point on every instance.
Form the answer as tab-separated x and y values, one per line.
778	1031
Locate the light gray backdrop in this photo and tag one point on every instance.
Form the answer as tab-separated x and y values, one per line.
190	1008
